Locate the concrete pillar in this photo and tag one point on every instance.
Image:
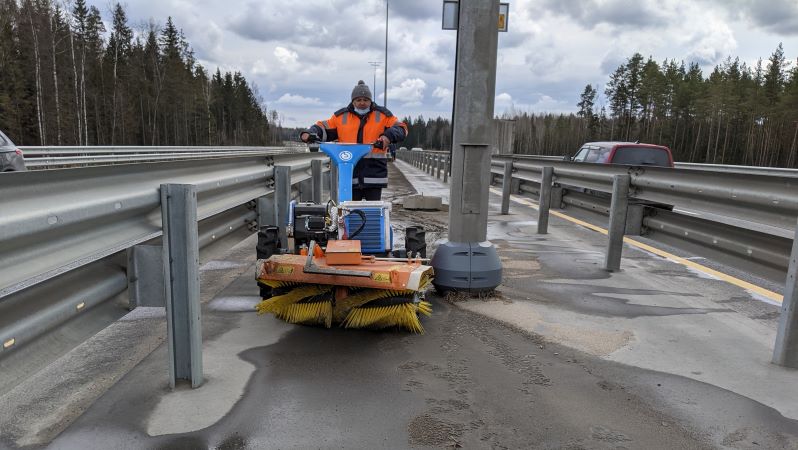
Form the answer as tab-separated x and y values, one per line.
467	261
475	91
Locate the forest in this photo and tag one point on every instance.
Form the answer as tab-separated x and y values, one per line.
66	80
737	115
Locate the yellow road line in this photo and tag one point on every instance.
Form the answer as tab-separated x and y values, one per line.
776	297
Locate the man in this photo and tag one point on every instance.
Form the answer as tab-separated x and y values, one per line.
363	122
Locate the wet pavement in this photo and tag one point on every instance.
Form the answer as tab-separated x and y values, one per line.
565	355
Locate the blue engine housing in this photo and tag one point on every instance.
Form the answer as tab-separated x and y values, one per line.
377	236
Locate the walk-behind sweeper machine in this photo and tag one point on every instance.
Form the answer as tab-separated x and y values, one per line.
340	266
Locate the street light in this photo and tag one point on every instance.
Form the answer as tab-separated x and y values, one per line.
385	86
375	64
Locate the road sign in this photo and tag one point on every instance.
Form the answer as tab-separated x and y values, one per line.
451	10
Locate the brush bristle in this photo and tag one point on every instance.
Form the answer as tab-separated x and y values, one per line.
403	315
279	302
313	304
310	313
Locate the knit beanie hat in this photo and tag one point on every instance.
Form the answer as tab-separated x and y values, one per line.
361	90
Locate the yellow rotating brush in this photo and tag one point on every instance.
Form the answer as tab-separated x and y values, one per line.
375	293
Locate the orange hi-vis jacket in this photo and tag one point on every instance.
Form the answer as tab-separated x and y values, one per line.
348	127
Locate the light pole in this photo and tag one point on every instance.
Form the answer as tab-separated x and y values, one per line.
385	86
375	64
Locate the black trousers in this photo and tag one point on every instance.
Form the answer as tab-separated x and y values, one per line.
367	194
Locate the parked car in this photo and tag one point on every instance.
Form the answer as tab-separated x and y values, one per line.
628	153
416	149
11	159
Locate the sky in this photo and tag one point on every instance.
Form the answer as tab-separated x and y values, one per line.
306	56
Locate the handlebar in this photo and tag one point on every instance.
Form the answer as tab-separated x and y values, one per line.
314	138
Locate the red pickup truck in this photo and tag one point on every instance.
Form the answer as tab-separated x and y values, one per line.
628	153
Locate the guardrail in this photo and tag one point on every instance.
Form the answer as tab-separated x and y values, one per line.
750	213
762	206
72	221
761	200
38	158
777	171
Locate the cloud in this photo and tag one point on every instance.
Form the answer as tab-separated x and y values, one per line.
288	58
410	92
297	100
712	44
775	16
504	101
591	13
445	95
308	23
415	9
778	16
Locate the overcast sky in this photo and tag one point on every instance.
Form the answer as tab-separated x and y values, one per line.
306	55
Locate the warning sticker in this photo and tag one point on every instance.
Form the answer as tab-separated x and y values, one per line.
285	270
382	277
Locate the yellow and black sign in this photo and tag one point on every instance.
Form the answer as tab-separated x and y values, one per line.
285	270
381	277
504	9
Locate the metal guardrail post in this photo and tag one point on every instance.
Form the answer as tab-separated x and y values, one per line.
334	182
181	276
316	170
282	198
145	285
634	219
544	204
266	211
617	226
785	352
305	190
556	197
506	185
446	165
